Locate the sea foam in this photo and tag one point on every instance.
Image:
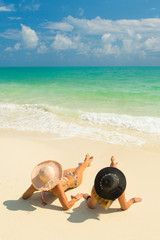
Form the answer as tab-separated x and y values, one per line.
140	123
44	118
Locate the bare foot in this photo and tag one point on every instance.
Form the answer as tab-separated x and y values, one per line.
88	159
113	162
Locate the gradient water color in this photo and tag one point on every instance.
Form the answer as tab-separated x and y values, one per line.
111	104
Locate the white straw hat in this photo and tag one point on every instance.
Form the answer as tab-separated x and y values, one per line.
46	175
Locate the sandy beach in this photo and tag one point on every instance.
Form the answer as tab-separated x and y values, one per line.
29	219
78	78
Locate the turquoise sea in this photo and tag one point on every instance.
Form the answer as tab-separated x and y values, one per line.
112	104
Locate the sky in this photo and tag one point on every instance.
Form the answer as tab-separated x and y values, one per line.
80	33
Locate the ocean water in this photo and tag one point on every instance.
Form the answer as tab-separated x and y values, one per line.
119	105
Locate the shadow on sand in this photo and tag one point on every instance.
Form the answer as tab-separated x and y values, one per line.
32	203
77	215
83	213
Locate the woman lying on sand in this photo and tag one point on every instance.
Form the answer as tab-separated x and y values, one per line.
47	176
109	185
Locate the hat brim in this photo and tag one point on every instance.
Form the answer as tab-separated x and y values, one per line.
38	183
110	195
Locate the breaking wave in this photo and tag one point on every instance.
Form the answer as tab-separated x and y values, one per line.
139	123
54	120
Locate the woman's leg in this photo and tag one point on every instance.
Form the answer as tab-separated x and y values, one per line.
70	170
80	169
113	162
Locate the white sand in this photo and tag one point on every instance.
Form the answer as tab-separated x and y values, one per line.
29	219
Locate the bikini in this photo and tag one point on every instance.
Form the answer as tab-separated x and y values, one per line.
66	179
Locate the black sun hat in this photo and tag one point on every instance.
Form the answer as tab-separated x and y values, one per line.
110	183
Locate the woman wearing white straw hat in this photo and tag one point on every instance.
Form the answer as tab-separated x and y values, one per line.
47	176
109	184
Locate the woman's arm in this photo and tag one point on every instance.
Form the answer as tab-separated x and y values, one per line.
63	198
91	200
29	192
126	204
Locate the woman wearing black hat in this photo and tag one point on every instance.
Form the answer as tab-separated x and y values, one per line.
109	184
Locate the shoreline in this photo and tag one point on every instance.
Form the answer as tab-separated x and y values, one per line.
29	219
